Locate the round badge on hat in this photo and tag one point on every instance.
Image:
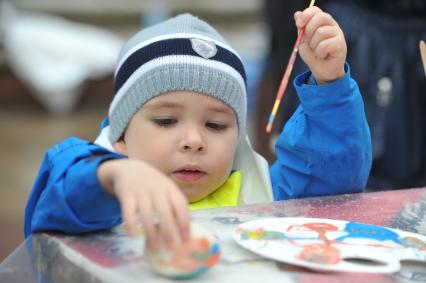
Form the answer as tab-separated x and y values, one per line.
204	48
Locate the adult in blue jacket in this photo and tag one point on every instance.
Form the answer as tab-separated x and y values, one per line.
175	136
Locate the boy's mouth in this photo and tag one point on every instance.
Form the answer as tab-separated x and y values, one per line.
188	174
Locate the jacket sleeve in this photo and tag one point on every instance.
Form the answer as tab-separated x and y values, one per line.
325	148
67	195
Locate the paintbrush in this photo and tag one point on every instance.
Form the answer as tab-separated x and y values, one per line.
286	77
423	53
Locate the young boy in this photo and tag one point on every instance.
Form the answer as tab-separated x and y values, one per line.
179	115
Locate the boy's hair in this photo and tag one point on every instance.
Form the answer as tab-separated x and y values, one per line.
180	54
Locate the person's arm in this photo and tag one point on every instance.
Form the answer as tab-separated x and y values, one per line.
82	187
325	148
67	195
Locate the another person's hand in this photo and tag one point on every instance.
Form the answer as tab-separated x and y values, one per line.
148	194
323	46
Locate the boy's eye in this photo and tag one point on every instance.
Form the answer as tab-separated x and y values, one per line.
164	122
216	126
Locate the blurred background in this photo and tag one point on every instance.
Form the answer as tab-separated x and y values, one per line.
56	77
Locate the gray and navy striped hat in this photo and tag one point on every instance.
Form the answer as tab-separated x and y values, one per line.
182	53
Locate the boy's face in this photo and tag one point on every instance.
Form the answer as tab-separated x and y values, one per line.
190	137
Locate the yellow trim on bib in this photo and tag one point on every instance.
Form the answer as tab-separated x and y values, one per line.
226	195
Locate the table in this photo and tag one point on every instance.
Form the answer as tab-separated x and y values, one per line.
113	257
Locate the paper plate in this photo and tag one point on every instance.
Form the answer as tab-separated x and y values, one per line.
331	245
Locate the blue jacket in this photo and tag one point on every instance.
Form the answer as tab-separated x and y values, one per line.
324	149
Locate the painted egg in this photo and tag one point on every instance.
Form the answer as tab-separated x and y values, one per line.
189	259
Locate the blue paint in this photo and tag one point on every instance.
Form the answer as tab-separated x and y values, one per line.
367	231
215	249
191	274
271	118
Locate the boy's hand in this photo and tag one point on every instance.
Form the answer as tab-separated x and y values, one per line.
323	46
146	192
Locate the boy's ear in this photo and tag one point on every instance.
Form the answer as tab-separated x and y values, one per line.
121	147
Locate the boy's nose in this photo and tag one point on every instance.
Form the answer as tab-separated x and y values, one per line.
192	141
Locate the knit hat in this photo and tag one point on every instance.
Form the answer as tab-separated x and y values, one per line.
182	53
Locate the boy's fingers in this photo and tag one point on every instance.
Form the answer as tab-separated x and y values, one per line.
167	223
128	210
317	21
181	212
322	33
297	18
329	46
302	18
147	216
